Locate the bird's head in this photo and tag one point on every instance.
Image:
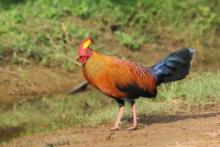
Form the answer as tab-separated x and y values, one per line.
84	51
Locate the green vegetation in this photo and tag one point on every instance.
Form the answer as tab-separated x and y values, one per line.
49	31
92	107
129	41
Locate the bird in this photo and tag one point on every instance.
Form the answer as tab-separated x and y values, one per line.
125	81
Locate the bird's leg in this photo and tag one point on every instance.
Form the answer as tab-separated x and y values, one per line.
118	120
134	115
119	116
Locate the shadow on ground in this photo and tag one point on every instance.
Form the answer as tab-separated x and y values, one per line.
151	119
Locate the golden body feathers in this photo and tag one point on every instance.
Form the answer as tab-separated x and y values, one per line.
118	78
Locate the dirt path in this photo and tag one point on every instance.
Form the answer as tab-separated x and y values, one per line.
197	130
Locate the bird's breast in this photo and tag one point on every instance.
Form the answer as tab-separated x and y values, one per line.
97	71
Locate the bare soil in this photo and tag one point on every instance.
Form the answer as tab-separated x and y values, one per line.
187	130
25	82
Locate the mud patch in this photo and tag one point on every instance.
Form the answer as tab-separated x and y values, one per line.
7	133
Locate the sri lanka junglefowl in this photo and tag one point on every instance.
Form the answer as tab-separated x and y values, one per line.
127	81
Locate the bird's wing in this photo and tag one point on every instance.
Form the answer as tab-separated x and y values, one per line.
131	78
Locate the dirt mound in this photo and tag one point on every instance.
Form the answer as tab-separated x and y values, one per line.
197	130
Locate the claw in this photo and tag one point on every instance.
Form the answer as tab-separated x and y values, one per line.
134	127
114	129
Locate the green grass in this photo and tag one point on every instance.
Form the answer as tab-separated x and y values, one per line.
130	42
199	88
45	31
93	108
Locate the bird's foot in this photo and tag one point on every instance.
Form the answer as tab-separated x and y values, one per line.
114	128
134	127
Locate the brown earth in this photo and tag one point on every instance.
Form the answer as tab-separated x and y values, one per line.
188	130
22	82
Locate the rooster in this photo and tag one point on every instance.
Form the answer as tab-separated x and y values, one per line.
126	81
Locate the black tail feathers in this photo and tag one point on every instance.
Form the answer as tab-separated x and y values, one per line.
174	67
